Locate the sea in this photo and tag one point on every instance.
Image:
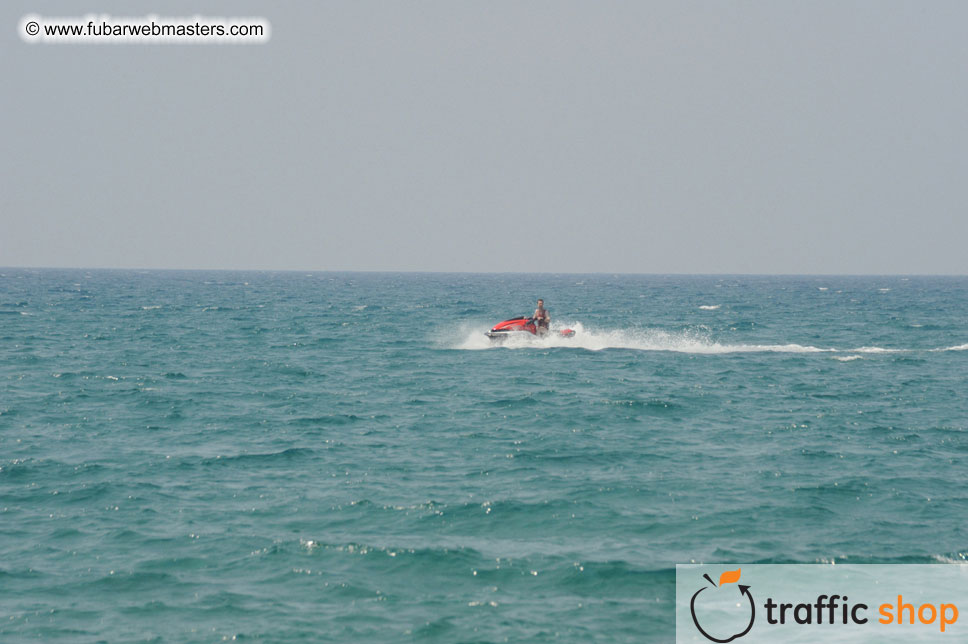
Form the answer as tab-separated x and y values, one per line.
194	456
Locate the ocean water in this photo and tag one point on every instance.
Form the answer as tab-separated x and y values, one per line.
331	457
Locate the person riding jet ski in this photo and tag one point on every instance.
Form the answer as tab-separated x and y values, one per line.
542	319
538	324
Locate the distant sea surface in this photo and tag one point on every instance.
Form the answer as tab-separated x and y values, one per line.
335	457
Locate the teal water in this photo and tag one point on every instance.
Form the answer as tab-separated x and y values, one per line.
200	456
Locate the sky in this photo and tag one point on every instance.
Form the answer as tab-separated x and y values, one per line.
771	137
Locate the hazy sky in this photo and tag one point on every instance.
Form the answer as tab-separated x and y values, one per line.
638	137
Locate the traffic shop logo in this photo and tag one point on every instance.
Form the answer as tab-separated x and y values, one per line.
721	633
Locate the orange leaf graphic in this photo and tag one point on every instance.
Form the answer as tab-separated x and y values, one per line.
729	577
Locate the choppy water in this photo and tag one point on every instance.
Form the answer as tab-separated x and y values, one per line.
192	456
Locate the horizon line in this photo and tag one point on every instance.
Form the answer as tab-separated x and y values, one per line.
440	272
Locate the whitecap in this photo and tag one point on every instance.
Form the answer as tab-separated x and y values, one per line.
709	307
875	350
960	347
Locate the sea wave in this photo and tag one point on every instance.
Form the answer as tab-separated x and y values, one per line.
960	347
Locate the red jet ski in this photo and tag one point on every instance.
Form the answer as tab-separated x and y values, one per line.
514	326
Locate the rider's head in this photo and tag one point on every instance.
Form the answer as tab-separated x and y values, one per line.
540	303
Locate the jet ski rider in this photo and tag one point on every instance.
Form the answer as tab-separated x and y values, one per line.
541	317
